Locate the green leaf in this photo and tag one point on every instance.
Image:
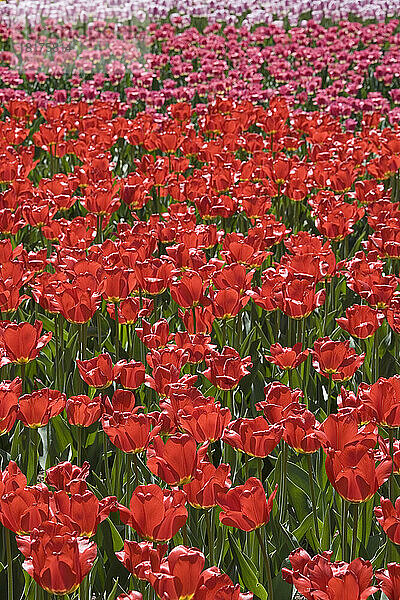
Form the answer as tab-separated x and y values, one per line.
117	540
247	569
113	592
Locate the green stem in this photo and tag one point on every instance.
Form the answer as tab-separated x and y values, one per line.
116	332
313	501
329	398
79	446
57	349
344	529
266	562
33	443
23	365
184	535
283	481
105	456
9	564
210	534
375	370
391	487
355	528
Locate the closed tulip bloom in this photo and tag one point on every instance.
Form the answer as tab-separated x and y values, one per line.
297	298
84	411
246	506
287	358
25	508
189	290
135	554
228	303
215	585
302	432
390	581
381	401
196	345
336	359
227	368
11	479
36	409
130	432
179	574
77	305
255	437
129	310
361	321
354	474
57	560
154	336
209	481
9	393
388	516
206	423
176	460
153	275
97	372
21	342
122	401
341	430
82	512
317	577
280	401
130	596
156	514
130	375
68	477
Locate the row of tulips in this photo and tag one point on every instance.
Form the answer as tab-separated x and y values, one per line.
204	308
342	69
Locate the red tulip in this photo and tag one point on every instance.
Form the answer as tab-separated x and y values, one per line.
206	423
68	477
361	321
9	392
287	358
335	359
135	554
390	581
209	481
56	559
130	375
316	578
381	401
246	506
84	411
354	474
25	508
82	512
388	516
156	514
36	409
176	460
179	574
227	368
302	431
129	431
255	437
21	342
97	372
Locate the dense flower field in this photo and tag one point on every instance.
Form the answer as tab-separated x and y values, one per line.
343	69
199	310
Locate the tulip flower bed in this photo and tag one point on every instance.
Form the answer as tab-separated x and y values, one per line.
344	70
199	342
